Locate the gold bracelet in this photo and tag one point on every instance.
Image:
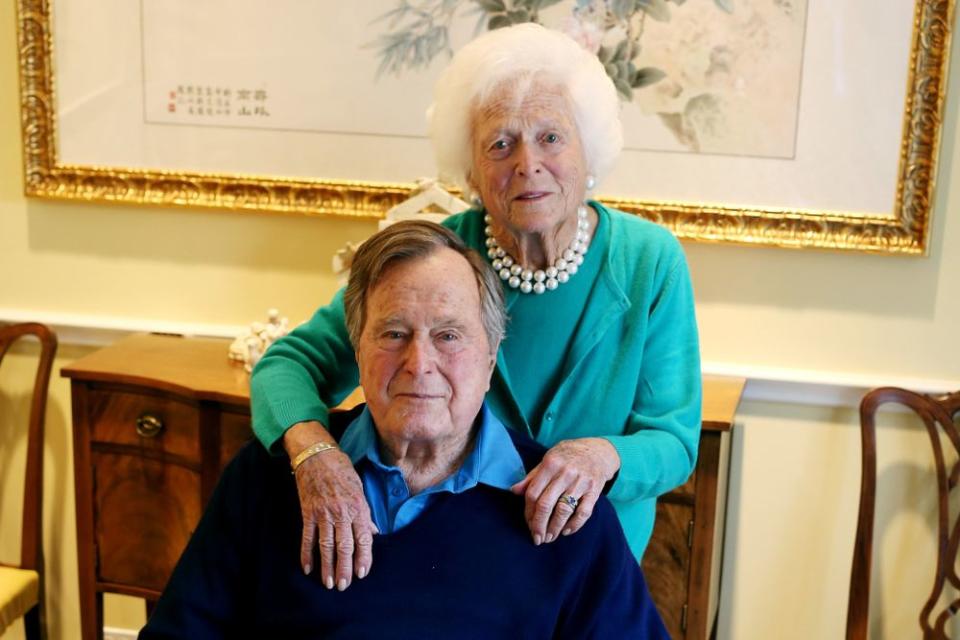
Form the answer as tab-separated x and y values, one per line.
309	452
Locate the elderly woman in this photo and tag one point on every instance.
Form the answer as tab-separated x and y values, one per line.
426	316
601	360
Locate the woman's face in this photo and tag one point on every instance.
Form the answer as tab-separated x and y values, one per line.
528	162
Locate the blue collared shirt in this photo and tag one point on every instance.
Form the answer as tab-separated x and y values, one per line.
494	461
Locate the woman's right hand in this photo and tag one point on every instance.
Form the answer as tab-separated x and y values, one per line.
336	516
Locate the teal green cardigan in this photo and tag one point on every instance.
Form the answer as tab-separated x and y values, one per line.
632	374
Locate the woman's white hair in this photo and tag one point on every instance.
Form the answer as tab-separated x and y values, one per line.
530	54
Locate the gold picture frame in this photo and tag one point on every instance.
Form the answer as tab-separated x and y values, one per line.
904	232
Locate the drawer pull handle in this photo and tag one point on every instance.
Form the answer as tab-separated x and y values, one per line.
149	425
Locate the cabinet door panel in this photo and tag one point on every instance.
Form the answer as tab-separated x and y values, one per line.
146	511
666	564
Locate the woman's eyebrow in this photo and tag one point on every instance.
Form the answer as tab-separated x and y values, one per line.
553	123
496	133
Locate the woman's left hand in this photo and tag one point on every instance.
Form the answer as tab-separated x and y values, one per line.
575	469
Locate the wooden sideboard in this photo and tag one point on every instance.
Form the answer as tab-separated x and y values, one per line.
156	418
682	560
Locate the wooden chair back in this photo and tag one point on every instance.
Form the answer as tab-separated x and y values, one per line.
31	531
939	415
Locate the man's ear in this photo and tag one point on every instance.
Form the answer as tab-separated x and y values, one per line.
493	357
492	364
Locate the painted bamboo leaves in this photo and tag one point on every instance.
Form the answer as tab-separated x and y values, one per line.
417	32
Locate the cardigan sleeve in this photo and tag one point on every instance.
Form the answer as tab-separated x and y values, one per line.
658	449
302	375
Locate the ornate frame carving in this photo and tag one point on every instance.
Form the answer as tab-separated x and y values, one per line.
906	232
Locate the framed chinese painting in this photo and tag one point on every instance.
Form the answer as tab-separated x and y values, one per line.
771	122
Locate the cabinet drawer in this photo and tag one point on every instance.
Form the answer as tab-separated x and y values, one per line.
114	415
144	513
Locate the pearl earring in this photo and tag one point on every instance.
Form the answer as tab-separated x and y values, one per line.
476	200
591	183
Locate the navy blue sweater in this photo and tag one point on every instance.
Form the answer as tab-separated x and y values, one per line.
465	568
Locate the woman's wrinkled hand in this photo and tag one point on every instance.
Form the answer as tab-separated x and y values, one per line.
336	516
577	468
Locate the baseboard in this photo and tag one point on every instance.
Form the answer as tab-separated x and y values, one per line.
113	633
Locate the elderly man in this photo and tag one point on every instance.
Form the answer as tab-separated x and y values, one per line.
454	556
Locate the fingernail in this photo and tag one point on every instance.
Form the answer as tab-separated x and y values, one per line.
306	569
549	537
328	583
567	532
342	584
362	573
537	539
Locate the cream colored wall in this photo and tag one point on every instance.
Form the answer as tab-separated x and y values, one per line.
792	511
794	468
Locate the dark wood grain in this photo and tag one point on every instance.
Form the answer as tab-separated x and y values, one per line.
703	537
666	564
142	504
90	599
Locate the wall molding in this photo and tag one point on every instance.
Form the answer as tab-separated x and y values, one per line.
818	387
99	331
764	384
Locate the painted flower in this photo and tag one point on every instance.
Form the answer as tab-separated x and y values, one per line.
587	34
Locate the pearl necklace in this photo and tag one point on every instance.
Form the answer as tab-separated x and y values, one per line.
540	280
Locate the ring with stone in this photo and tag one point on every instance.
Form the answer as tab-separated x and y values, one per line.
568	500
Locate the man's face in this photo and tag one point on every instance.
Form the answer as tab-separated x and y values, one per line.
425	360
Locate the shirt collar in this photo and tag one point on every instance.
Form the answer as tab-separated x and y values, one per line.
494	460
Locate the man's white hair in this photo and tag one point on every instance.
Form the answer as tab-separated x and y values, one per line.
531	55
